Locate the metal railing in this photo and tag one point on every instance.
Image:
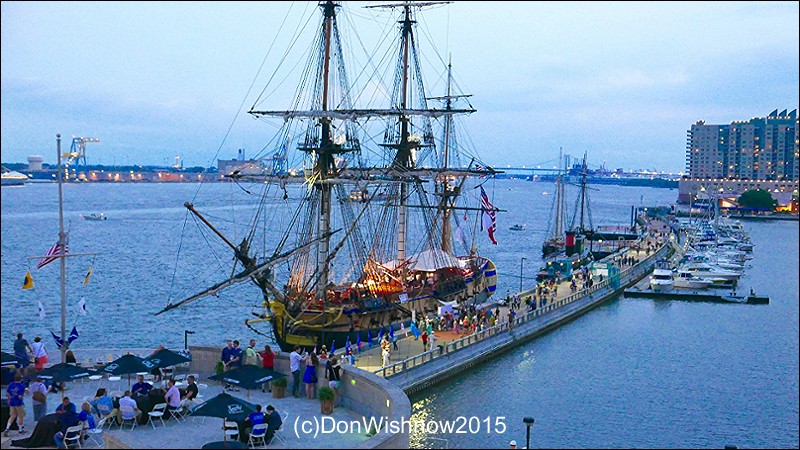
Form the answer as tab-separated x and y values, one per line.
625	276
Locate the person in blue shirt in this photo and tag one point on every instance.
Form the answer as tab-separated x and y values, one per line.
15	393
103	404
86	415
141	387
238	355
227	354
253	420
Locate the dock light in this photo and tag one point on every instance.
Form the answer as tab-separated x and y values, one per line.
528	422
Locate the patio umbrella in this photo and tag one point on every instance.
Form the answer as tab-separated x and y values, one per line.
165	358
126	364
12	360
248	377
225	406
63	372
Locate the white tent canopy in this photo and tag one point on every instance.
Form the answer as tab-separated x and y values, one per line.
429	261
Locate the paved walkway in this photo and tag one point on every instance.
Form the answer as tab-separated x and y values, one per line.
198	431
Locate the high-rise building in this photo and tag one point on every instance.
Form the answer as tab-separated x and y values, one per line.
761	153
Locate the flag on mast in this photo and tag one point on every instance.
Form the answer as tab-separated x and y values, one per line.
52	255
88	274
41	310
28	283
82	306
489	220
72	335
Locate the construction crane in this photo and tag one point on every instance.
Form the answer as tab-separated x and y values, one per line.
77	152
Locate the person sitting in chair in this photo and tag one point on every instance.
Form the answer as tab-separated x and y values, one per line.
173	397
141	387
129	402
274	422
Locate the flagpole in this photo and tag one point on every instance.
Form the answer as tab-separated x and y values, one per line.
62	243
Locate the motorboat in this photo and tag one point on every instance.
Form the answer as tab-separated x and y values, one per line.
94	216
12	178
705	270
687	280
517	227
661	280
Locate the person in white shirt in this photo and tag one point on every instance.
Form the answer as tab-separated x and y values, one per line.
294	367
173	396
127	401
39	353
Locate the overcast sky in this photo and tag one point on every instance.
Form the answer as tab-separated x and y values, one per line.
621	81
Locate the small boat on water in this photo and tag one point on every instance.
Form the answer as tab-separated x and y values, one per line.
517	227
12	178
94	216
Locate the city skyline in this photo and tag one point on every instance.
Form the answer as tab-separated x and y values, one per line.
621	81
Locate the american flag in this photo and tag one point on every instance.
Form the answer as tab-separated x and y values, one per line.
480	167
52	255
488	221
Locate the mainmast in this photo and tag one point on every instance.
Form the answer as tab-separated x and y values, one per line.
560	203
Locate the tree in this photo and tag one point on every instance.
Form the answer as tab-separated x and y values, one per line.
757	199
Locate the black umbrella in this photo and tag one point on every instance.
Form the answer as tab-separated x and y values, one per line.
225	406
165	358
16	361
126	364
248	377
63	372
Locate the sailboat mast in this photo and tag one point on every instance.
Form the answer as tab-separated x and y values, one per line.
403	154
325	159
447	241
62	241
583	191
560	204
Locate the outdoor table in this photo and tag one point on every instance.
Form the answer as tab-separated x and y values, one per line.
225	444
42	436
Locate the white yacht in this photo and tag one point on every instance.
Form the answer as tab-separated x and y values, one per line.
12	178
687	280
705	270
661	280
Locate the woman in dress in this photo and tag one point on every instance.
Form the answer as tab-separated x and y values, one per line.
310	376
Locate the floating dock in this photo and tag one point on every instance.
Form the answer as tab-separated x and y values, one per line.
715	295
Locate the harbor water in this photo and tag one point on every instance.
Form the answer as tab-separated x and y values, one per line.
632	373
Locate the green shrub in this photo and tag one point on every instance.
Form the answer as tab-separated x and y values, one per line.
279	382
325	393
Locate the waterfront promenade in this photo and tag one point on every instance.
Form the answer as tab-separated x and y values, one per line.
414	368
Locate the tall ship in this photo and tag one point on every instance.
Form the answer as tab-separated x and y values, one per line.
563	255
332	269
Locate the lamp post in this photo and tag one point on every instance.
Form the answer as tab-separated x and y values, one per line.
521	262
528	422
186	334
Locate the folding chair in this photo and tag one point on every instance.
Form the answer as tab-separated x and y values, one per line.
183	409
96	433
279	432
231	431
106	416
128	414
258	435
73	436
157	413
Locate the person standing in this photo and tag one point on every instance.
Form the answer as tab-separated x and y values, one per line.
39	393
267	362
39	353
15	393
294	367
251	356
333	375
21	350
310	376
227	354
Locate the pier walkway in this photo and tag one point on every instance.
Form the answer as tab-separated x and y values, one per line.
413	368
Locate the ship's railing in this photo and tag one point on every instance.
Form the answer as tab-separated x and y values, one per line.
625	276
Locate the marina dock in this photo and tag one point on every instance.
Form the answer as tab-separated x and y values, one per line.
716	295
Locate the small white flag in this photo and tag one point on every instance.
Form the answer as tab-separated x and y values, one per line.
82	306
41	310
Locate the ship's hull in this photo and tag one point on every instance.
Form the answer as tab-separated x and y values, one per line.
332	326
